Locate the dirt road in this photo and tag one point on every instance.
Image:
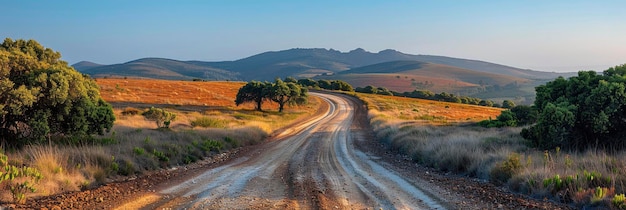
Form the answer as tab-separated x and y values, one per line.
313	165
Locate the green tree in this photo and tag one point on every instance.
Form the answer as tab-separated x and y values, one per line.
291	79
586	110
286	93
508	104
485	103
253	91
525	115
160	116
308	83
325	84
341	85
42	96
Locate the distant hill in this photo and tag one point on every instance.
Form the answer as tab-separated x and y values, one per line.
160	68
359	67
84	65
406	76
293	62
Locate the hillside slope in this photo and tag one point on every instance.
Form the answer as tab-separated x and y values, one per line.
294	62
159	68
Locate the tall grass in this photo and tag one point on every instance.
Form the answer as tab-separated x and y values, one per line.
500	155
135	146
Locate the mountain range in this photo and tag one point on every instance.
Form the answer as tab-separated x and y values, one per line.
358	67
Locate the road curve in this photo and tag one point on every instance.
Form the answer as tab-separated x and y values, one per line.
314	165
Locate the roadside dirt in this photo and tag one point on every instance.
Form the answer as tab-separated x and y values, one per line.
331	162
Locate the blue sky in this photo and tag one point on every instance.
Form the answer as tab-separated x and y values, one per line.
537	34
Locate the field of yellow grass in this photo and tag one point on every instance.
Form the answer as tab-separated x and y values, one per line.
135	145
427	111
149	91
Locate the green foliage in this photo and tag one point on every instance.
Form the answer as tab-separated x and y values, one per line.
253	91
280	92
308	83
508	104
139	151
619	201
160	116
582	111
503	171
506	118
525	115
21	180
41	95
599	194
374	90
210	145
335	85
160	155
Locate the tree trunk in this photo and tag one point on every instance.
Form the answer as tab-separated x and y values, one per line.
258	105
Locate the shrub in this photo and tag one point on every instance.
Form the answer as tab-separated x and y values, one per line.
619	201
160	116
503	171
207	122
20	179
131	111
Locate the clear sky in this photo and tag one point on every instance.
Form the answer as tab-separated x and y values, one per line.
554	35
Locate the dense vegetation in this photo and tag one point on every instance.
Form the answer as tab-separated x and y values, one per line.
443	96
326	84
42	97
588	110
582	111
280	92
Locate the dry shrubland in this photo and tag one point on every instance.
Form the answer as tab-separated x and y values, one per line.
207	123
447	140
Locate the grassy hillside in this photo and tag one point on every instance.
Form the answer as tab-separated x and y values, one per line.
293	62
406	76
159	68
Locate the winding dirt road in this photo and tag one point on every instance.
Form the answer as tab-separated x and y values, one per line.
310	166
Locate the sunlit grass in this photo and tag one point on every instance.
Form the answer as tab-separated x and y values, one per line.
444	138
135	145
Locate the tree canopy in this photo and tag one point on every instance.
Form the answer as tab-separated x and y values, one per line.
280	92
42	96
582	111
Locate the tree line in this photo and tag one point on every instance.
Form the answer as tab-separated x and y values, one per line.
443	96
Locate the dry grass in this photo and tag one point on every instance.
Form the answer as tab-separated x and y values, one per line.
448	142
167	92
420	111
135	145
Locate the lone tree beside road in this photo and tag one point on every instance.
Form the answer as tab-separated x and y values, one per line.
287	92
42	96
280	92
254	91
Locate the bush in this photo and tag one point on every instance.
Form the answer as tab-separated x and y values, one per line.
503	171
131	111
207	122
21	180
160	116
